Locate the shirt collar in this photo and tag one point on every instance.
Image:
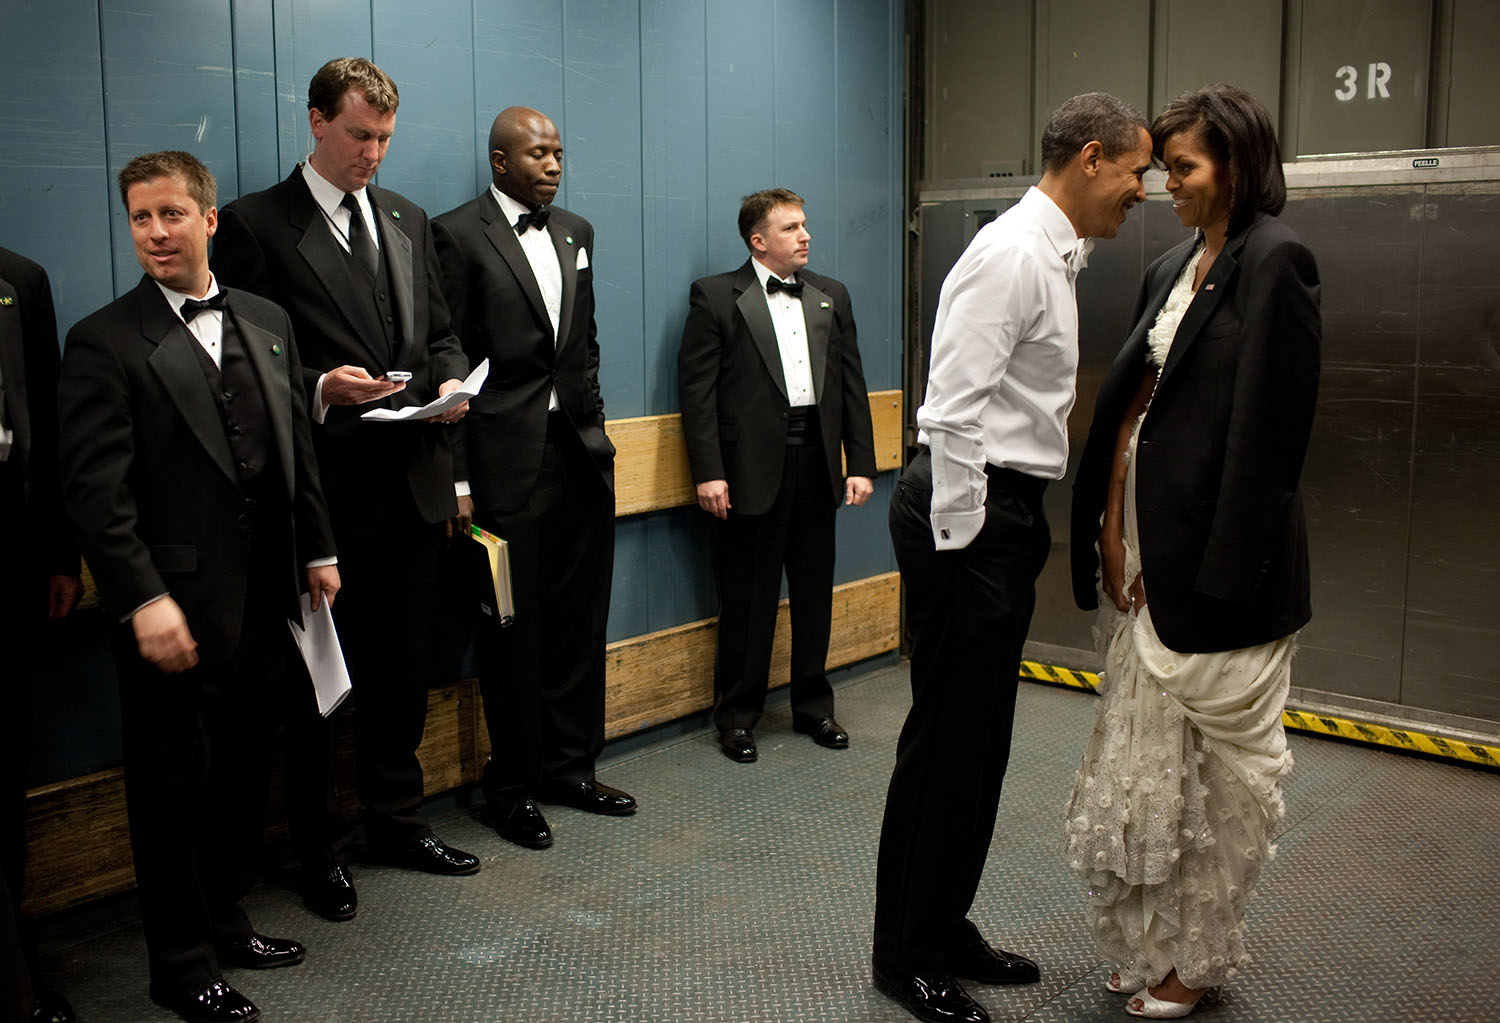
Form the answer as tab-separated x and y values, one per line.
176	298
510	208
763	273
1073	250
326	194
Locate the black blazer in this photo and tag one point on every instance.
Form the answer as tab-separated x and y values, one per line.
733	391
277	244
28	367
498	312
149	479
1223	536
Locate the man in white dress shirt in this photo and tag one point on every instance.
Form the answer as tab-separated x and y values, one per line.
971	538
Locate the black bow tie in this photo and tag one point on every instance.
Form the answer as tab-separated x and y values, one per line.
536	218
193	306
775	284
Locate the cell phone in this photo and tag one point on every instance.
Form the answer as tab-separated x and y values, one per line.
397	376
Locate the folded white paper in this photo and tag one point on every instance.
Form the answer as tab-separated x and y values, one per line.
466	390
318	642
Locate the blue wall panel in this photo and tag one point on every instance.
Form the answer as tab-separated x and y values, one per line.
674	189
427	50
601	123
255	108
670	111
55	187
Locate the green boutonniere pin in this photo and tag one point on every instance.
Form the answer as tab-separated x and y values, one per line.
275	349
7	300
822	305
570	239
395	214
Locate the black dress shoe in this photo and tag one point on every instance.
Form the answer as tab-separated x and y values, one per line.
591	797
738	744
330	893
259	952
825	732
932	997
430	854
217	1002
522	823
48	1005
978	960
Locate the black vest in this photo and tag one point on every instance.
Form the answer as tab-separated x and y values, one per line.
242	408
377	309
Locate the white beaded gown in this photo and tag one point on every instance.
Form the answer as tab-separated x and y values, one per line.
1179	792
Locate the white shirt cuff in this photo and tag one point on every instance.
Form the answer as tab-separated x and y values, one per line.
319	410
461	488
956	530
144	604
320	563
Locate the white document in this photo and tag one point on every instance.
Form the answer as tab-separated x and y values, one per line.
466	390
319	643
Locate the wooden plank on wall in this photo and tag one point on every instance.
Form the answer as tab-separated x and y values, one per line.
651	464
79	844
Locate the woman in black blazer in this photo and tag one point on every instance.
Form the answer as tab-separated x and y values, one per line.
1187	510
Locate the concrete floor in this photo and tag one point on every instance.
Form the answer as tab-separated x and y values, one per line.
744	893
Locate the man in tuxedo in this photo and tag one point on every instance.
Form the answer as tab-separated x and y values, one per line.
40	582
189	474
353	265
772	394
518	278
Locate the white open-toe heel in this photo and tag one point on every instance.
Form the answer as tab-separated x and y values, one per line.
1159	1008
1122	983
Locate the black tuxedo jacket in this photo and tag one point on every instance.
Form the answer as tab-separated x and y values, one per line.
1219	458
149	479
498	312
277	244
28	369
733	391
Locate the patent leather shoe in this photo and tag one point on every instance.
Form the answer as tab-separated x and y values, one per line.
977	960
429	854
330	893
738	744
48	1005
825	732
522	823
216	1002
259	952
932	997
590	796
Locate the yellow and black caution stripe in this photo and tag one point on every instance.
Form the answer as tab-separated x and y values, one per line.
1365	732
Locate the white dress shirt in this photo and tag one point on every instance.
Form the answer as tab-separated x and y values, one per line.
544	267
1004	362
330	198
791	338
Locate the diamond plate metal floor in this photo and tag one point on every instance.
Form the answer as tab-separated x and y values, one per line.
743	893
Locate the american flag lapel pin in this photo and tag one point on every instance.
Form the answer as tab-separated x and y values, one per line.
1208	287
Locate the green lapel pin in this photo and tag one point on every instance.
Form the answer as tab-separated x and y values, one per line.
570	239
275	349
395	214
822	305
7	300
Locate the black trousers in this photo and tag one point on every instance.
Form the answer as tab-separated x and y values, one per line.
542	677
968	611
750	552
197	768
388	566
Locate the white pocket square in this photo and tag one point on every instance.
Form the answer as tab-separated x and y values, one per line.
583	259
